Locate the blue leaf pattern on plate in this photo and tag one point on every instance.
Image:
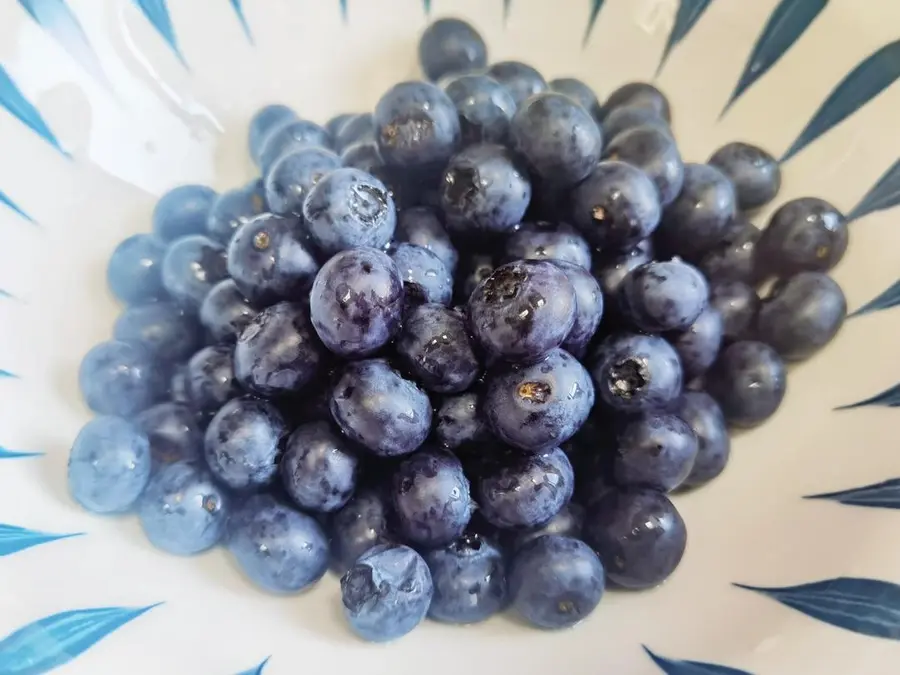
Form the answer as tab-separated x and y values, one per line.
889	298
14	539
238	6
52	641
15	102
884	495
158	14
256	671
867	606
670	667
596	6
426	4
344	9
15	454
9	203
787	23
507	5
885	194
872	76
889	398
5	374
689	13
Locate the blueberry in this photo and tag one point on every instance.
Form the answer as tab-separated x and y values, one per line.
484	191
109	465
616	207
520	79
268	260
291	177
548	241
485	108
434	348
359	526
663	295
738	305
173	431
210	378
801	315
386	593
636	373
192	266
638	534
319	468
451	46
459	421
522	310
356	302
289	138
733	258
425	278
183	511
748	381
178	385
754	172
358	129
469	579
611	270
278	353
653	151
705	418
336	123
699	344
349	208
264	122
804	235
134	272
624	118
639	95
232	209
225	311
241	443
559	139
698	219
579	92
477	267
120	378
278	548
162	328
523	490
422	226
654	450
380	410
588	308
182	211
366	157
555	581
567	523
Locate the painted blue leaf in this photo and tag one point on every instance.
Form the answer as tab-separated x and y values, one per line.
158	14
885	495
866	606
596	6
5	294
9	203
14	539
670	667
889	398
4	374
786	24
15	454
687	16
15	102
507	5
872	76
238	6
889	298
426	4
885	194
256	671
57	639
344	9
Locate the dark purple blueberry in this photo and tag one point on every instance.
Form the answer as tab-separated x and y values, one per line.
653	151
638	534
291	178
232	209
174	432
636	373
289	138
698	219
359	526
543	240
753	171
459	421
540	406
640	95
336	123
705	418
656	451
163	328
748	381
610	270
663	296
356	302
422	226
380	410
134	272
178	386
242	441
264	122
804	235
484	191
120	378
451	46
579	92
566	523
801	315
521	80
425	278
588	308
523	490
738	305
278	353
475	269
182	211
358	129
522	310
699	345
555	582
319	468
210	378
191	267
435	349
624	118
485	108
225	311
366	157
616	207
734	257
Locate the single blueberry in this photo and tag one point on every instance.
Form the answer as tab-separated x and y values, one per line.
520	79
663	296
291	177
706	420
543	240
366	157
422	226
182	211
359	526
654	450
120	378
225	311
232	209
754	172
588	308
174	432
319	468
738	305
459	421
178	385
289	138
699	344
210	378
451	46
624	118
579	92
134	272
264	122
611	270
358	129
749	382
425	278
485	108
734	257
804	235
163	328
639	95
476	268
336	123
192	266
653	151
567	523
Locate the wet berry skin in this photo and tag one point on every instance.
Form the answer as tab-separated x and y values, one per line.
359	526
705	418
801	315
749	382
663	295
134	272
174	433
616	207
225	311
425	278
356	302
638	534
292	177
579	92
699	344
654	151
182	211
589	305
625	118
120	378
162	328
754	172
555	581
232	209
278	353
264	122
522	310
358	129
475	268
656	451
210	378
192	266
422	226
567	523
548	241
521	80
636	373
639	95
540	406
434	347
319	468
349	208
377	408
289	138
459	421
451	46
485	108
734	257
806	234
738	305
610	270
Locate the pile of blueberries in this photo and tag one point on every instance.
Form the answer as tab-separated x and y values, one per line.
459	349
